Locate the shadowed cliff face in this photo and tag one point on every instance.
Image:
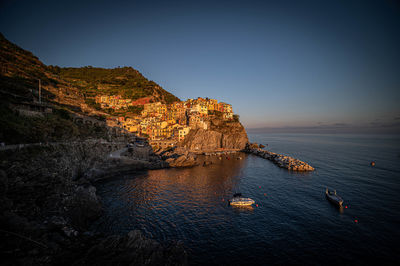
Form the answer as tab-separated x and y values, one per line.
221	134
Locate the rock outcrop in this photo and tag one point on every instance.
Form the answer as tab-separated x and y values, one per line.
48	202
145	153
219	135
183	160
133	249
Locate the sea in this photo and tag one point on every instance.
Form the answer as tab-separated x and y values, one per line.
291	222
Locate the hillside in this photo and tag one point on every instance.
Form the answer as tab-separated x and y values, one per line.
19	81
68	92
125	81
20	72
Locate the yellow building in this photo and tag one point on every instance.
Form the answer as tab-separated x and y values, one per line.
182	132
163	124
203	110
161	109
132	128
228	108
228	115
212	104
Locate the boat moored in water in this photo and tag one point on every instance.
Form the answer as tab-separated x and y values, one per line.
238	200
333	197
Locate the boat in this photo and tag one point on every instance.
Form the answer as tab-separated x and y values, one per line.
333	197
238	200
139	143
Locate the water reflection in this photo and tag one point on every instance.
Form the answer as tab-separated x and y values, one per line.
198	186
182	204
292	215
165	203
239	209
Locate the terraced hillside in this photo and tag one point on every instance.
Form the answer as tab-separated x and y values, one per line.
125	81
68	92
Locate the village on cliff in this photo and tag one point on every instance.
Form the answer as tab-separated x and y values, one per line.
164	125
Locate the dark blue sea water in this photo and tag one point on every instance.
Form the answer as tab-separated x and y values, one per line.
292	223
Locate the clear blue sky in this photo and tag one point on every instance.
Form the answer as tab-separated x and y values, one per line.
279	63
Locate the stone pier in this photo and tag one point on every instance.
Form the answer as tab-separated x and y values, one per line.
282	161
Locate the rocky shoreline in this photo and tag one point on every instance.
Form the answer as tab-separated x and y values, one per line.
282	161
48	202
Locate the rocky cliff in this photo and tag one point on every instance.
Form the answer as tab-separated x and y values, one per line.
220	134
48	201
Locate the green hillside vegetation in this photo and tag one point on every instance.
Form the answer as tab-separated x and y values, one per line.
20	72
124	81
57	126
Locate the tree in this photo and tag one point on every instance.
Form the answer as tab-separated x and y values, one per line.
137	109
92	103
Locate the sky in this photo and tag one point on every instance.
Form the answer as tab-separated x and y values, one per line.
282	64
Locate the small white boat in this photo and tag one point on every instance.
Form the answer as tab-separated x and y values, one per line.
333	198
238	200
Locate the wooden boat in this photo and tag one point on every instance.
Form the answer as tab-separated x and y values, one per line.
333	197
238	200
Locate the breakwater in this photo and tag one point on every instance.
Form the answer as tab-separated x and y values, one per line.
282	161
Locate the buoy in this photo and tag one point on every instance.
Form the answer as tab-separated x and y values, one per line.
356	221
345	206
256	205
372	163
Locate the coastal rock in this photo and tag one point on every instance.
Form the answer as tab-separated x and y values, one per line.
51	188
84	206
139	153
250	146
3	183
220	135
56	222
201	139
183	161
5	203
133	249
206	163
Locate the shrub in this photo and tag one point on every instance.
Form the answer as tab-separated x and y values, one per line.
64	114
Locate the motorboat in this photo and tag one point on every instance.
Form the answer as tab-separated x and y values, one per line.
139	144
333	197
238	200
